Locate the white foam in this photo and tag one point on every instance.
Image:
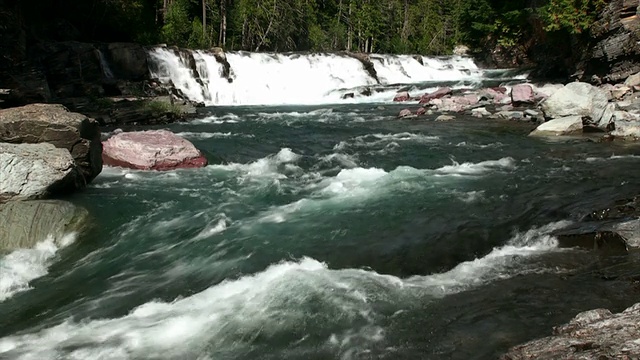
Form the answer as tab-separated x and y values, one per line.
349	180
215	227
21	266
345	160
269	166
209	135
476	168
612	157
274	302
378	140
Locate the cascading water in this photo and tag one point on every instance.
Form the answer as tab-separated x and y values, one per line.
288	79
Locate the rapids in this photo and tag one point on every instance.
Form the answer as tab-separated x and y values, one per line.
330	231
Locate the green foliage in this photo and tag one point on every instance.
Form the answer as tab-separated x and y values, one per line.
159	108
177	25
574	16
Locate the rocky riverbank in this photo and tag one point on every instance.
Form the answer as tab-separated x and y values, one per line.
48	152
613	110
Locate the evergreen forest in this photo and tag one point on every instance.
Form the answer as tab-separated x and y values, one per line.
430	27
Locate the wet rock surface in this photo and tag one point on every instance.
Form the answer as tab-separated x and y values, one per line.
595	334
24	223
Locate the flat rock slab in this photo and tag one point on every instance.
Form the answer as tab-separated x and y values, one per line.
34	171
25	223
54	124
595	334
561	126
151	150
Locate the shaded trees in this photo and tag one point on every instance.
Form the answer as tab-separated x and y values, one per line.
395	26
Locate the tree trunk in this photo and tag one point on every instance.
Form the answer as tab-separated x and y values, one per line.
334	43
405	24
204	18
350	28
222	38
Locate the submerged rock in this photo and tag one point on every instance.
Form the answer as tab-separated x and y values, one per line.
34	171
25	223
594	334
606	241
402	96
480	112
404	113
445	118
579	99
562	126
54	124
151	150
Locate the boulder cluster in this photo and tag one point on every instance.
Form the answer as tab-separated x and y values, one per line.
48	152
574	108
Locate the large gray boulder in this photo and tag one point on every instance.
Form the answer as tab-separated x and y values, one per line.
562	126
54	124
627	129
34	171
580	99
25	223
594	334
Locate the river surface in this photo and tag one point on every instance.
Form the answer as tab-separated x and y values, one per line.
327	232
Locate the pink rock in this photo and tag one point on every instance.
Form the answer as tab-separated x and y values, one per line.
405	113
151	150
522	94
456	103
441	92
402	96
494	94
421	111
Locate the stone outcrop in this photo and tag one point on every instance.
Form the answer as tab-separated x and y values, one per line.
579	99
366	63
151	150
34	171
127	61
614	46
595	334
54	124
25	223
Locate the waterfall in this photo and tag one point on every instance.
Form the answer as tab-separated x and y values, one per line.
289	79
106	70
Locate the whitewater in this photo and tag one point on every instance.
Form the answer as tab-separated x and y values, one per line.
323	227
311	79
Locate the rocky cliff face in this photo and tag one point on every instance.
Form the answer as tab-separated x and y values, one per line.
613	52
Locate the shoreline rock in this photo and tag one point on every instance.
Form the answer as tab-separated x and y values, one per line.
594	334
25	223
54	124
36	171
